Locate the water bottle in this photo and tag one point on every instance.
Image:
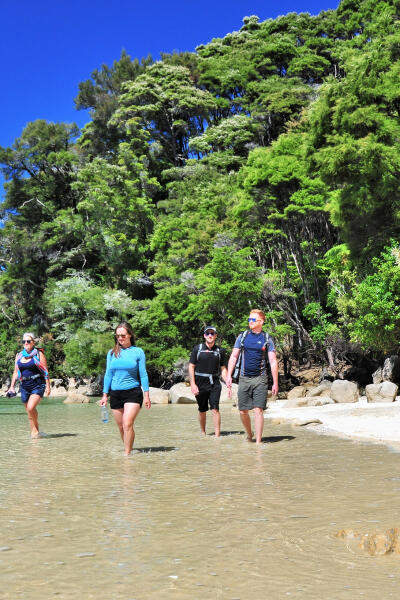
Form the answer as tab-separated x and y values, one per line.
104	414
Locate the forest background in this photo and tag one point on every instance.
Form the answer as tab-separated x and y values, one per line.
260	170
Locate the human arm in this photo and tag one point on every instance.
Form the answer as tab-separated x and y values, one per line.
193	386
43	361
142	373
13	378
107	381
224	373
147	401
231	366
274	371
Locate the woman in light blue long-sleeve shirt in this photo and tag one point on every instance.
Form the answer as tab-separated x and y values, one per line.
124	380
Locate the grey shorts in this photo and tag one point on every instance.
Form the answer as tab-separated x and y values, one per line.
252	392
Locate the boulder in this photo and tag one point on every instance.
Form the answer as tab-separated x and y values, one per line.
344	391
297	392
180	393
224	394
159	396
95	387
323	389
381	392
389	372
76	398
379	544
304	422
308	401
320	401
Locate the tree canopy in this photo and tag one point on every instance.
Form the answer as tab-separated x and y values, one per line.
260	170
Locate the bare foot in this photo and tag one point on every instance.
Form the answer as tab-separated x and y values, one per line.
249	438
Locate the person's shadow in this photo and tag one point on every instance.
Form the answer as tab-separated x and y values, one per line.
278	438
151	449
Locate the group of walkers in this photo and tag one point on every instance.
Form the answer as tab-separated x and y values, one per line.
126	383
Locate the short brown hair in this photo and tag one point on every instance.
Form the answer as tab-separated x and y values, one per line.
258	312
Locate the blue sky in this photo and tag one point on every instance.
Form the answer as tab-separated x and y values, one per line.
48	47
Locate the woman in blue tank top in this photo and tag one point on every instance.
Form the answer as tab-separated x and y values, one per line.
124	380
31	370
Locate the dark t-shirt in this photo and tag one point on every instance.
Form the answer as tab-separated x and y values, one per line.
209	361
254	351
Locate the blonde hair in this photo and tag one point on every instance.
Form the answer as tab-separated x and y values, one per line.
258	312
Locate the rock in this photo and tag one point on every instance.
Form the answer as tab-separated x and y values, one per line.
347	534
344	391
391	369
76	398
323	389
303	422
159	396
389	372
308	401
224	394
297	392
320	401
381	392
180	393
95	387
296	402
379	544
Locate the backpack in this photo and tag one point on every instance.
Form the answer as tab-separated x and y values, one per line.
236	373
217	351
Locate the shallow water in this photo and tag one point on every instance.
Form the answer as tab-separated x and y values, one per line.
186	517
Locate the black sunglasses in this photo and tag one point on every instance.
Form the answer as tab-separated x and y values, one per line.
27	341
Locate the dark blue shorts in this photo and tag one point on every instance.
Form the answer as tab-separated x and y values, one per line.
33	386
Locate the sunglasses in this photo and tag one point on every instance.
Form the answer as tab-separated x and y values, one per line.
27	341
121	335
210	333
252	319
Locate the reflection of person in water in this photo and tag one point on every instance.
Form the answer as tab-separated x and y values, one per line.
124	379
31	370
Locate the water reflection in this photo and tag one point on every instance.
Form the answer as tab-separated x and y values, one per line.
185	516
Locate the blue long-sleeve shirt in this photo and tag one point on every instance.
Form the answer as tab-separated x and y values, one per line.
126	371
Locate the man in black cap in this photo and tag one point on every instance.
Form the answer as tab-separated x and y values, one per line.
206	363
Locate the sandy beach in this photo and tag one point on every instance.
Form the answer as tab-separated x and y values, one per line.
374	422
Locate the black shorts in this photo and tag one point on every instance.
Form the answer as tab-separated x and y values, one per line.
119	397
208	395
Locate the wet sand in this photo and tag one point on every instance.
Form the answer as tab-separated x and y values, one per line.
187	517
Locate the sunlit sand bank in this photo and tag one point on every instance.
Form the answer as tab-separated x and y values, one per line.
375	422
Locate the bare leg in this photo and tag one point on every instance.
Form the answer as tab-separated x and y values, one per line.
202	421
217	422
245	418
32	413
131	411
118	414
258	423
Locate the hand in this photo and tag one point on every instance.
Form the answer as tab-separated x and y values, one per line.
48	391
147	403
228	381
274	389
229	392
194	388
104	399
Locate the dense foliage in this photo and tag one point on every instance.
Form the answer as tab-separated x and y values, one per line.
261	170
